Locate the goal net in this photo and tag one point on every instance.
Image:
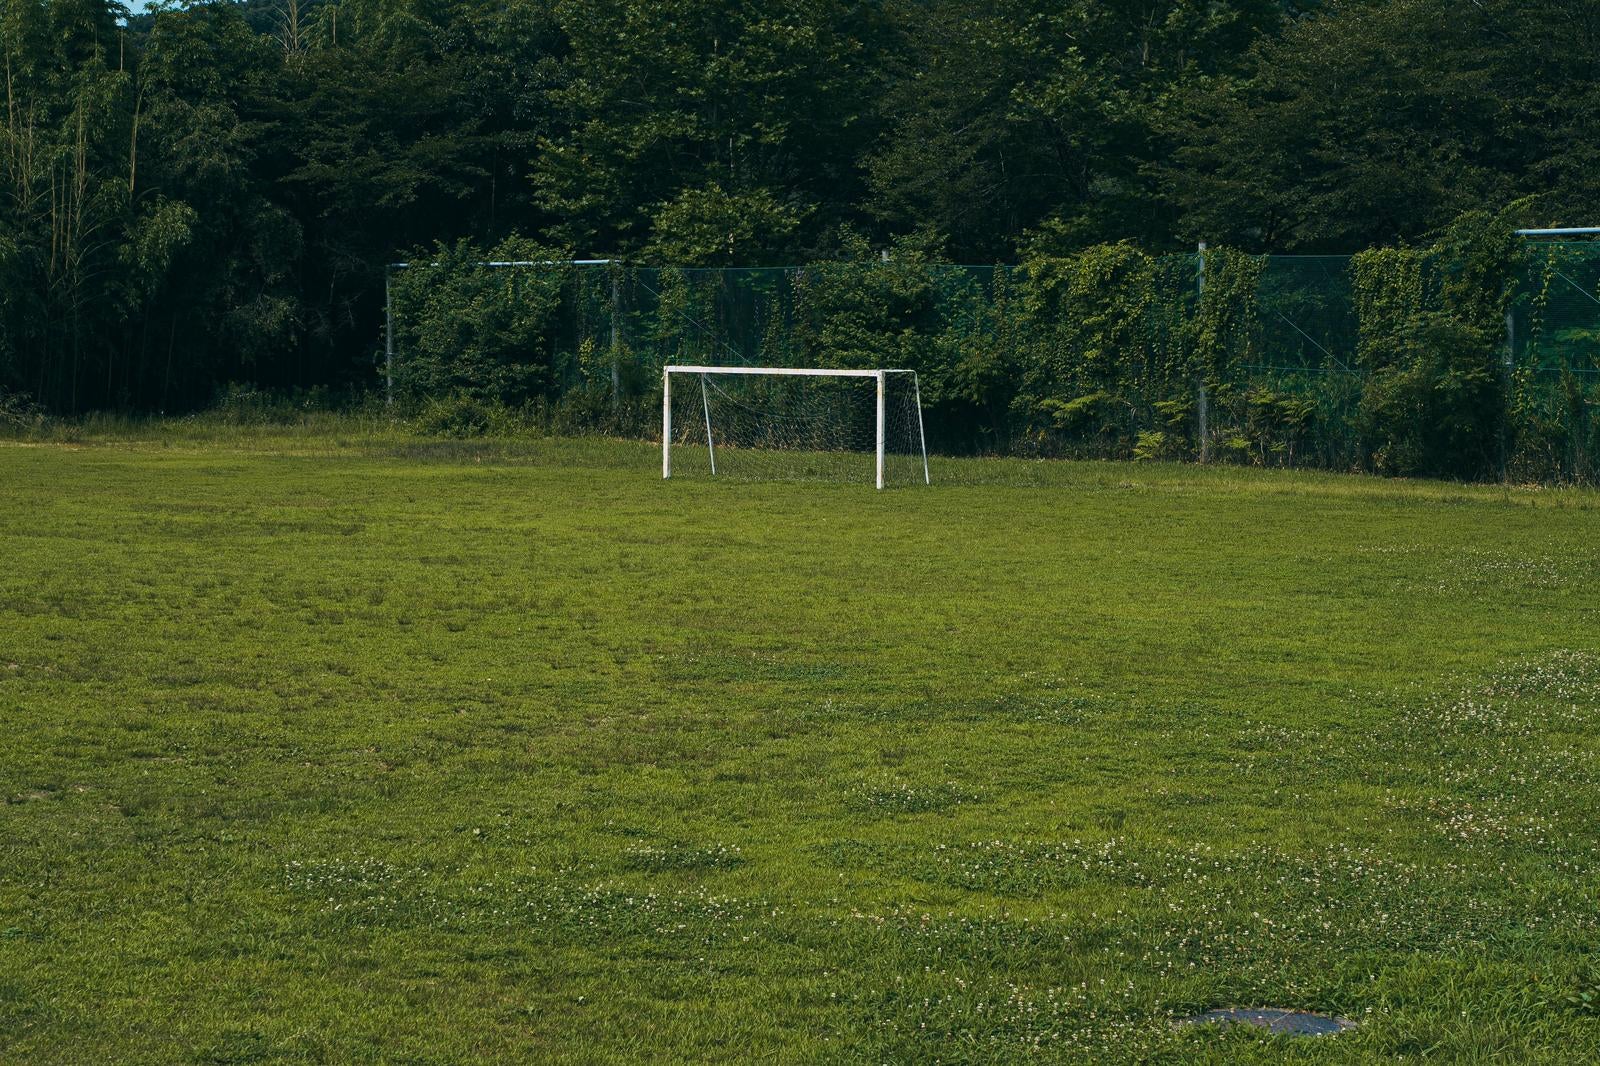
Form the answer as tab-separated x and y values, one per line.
781	423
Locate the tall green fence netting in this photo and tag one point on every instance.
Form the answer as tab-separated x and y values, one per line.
1239	358
1554	341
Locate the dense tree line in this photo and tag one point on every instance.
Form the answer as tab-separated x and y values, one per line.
208	193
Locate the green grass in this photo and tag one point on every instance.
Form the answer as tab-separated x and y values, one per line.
327	745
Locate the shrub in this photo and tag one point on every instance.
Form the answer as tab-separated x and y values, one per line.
1431	334
1435	410
483	332
458	416
17	413
1272	422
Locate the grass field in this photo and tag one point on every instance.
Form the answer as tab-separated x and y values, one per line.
330	750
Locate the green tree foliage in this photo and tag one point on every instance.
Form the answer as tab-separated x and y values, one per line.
66	168
1433	343
1004	114
212	255
709	132
1371	122
400	123
1112	359
480	331
913	310
707	225
867	311
1433	409
206	196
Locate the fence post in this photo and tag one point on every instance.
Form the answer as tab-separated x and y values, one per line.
388	338
1201	408
1506	378
616	338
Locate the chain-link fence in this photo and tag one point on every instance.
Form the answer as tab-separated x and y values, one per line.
1553	402
1246	359
1306	356
980	338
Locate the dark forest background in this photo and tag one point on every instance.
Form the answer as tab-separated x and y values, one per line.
207	193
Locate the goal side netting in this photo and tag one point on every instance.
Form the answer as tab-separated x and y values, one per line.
788	424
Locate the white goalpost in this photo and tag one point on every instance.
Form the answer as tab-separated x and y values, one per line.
789	423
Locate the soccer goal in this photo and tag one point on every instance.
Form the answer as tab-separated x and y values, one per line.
785	423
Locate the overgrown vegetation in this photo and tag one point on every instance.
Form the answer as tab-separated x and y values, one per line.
1108	352
208	194
478	331
1394	361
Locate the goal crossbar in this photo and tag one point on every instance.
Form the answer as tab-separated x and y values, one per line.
787	371
782	370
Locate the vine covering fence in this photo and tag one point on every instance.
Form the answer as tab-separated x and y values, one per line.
1449	360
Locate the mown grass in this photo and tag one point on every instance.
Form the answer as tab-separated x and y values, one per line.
326	744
